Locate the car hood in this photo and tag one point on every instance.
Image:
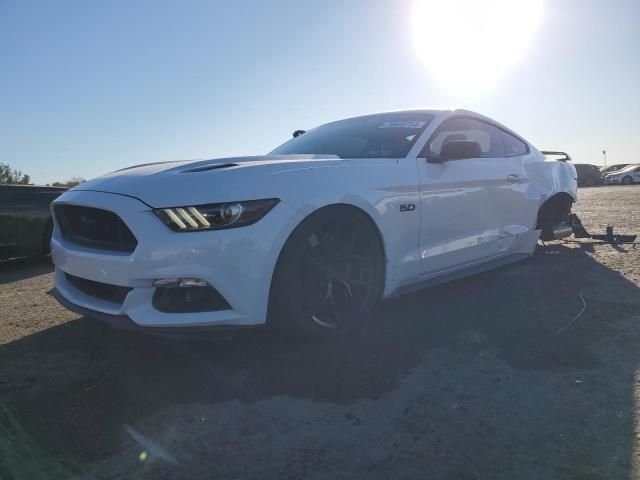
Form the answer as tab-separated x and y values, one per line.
188	182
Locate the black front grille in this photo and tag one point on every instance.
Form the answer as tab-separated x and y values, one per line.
94	228
103	291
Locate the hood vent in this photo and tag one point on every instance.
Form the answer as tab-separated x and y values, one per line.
211	166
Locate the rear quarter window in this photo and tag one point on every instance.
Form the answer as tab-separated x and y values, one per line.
462	128
513	146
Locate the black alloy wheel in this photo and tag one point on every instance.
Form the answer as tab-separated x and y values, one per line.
330	274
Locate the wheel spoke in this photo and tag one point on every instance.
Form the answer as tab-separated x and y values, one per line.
338	271
346	285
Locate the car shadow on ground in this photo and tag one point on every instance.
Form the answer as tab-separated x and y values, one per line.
72	388
23	268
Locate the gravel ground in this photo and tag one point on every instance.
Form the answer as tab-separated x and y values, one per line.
469	380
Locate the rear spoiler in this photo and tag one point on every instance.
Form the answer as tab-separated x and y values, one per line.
565	156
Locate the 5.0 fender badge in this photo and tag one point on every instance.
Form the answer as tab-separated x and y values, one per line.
407	207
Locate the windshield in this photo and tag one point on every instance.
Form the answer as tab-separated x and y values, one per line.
385	135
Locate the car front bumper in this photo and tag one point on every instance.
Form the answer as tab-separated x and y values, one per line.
237	262
611	181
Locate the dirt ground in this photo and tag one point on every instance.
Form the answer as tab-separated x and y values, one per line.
468	380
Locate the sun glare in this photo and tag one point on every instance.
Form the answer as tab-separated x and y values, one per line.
468	44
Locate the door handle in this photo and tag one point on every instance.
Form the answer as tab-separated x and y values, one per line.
514	178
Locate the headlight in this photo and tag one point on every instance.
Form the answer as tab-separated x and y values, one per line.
215	216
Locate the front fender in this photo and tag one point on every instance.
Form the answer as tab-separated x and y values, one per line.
377	187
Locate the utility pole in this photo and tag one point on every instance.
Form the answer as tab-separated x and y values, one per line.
604	154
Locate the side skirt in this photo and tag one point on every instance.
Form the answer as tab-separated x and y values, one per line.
462	273
522	247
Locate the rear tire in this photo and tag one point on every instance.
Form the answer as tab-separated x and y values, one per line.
553	212
330	274
627	180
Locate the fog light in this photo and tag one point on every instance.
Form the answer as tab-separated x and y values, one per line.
179	282
187	295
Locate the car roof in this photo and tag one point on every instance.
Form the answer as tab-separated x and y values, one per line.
434	111
451	112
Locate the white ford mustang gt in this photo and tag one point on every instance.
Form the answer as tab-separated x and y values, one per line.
313	235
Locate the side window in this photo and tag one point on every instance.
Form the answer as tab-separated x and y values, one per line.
512	145
488	137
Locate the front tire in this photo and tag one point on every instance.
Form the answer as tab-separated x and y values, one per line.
627	180
330	274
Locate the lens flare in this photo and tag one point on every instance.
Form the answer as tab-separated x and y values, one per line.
469	44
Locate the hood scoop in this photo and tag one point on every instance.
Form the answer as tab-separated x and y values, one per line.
211	166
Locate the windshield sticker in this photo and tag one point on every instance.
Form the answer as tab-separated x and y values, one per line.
403	124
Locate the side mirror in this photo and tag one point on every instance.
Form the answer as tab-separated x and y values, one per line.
458	150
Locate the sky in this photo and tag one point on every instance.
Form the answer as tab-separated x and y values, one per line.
90	87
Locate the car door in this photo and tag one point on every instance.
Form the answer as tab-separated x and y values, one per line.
7	224
470	208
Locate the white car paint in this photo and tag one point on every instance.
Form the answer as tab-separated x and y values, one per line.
632	172
467	213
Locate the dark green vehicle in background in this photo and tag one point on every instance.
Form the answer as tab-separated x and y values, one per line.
25	220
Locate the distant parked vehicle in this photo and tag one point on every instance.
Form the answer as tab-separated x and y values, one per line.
613	168
588	175
25	220
626	176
